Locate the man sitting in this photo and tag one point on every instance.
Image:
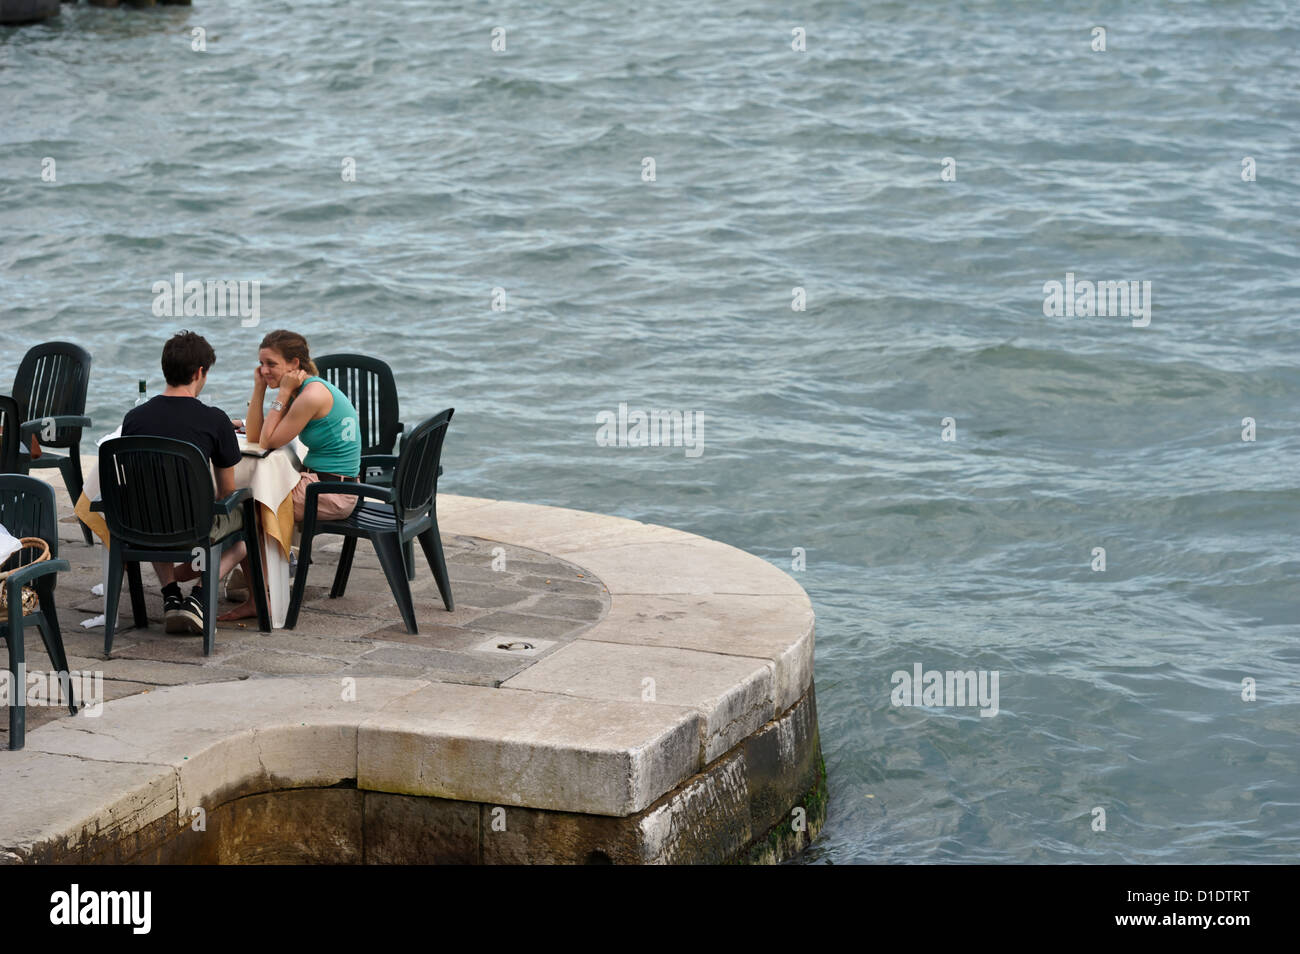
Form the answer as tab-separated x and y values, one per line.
179	414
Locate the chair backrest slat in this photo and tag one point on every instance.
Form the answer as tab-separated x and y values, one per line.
416	477
372	389
10	422
53	379
157	492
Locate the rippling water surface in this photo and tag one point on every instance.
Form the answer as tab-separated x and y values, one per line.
822	429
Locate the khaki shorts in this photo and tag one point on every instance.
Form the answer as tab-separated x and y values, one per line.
223	524
328	506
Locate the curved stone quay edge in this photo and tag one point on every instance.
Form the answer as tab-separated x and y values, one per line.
680	727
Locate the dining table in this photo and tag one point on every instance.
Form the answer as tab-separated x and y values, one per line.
271	476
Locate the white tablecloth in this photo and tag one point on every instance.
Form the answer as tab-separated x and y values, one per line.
272	479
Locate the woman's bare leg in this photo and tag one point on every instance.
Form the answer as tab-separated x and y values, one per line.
248	608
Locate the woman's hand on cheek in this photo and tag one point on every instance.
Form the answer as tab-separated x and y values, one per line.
292	380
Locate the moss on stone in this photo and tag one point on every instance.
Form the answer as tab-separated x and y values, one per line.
782	842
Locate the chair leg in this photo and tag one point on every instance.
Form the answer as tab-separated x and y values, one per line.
344	569
408	557
135	584
389	550
72	479
299	578
53	638
431	543
210	580
17	666
71	467
252	540
112	595
58	662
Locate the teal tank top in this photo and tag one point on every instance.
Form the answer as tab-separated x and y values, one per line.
334	441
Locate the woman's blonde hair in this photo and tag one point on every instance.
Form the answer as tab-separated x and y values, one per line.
291	345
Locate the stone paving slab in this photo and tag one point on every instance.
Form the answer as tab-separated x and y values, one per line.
778	628
694	566
549	529
732	694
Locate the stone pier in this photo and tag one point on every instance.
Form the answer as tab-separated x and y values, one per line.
607	691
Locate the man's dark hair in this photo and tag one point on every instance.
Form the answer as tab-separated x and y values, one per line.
183	355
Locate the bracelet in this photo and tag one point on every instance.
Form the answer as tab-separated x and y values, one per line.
277	406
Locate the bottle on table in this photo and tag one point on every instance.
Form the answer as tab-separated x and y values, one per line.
142	396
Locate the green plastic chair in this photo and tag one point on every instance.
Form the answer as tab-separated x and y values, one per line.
406	511
371	387
158	502
27	510
50	389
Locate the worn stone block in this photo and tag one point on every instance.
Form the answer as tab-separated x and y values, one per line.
58	808
690	566
779	628
706	821
410	830
272	663
533	749
575	608
733	694
526	836
305	827
780	759
541	627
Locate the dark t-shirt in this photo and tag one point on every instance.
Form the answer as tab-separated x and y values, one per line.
186	419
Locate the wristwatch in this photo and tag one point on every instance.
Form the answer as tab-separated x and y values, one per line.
277	406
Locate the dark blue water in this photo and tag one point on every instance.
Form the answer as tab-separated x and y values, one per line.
522	170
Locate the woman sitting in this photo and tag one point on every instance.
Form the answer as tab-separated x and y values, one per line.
319	414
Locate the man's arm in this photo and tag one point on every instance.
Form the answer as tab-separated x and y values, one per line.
225	481
226	454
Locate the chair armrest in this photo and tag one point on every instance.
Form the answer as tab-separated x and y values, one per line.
226	507
384	494
385	461
60	420
20	578
378	460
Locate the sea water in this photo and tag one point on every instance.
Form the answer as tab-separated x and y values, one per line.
827	233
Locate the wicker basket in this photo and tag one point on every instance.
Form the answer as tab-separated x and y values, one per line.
29	594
